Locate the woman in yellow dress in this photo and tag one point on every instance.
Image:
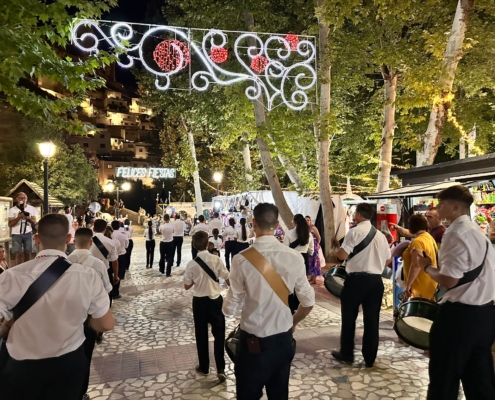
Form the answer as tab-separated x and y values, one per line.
418	283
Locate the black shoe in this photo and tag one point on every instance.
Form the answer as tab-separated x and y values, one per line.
369	365
86	397
339	357
201	372
99	338
221	375
168	276
117	297
147	267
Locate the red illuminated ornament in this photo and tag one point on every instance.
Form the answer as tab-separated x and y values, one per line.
293	40
168	57
258	64
219	55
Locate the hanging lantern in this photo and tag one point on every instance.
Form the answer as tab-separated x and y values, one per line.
293	40
258	64
219	55
167	56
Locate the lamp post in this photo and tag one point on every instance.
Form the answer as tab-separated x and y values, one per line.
110	187
217	178
47	150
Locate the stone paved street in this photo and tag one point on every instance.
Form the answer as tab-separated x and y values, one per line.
151	354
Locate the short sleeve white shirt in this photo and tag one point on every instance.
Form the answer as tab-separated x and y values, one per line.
109	244
53	326
230	233
200	227
203	284
179	227
215	223
22	225
306	248
167	232
147	233
70	218
463	249
84	257
217	242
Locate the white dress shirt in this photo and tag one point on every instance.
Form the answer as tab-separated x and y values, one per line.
217	242
179	227
373	258
309	247
53	326
200	227
230	233
129	232
122	241
84	257
249	234
203	284
22	225
215	223
70	218
263	313
147	233
109	244
463	249
167	231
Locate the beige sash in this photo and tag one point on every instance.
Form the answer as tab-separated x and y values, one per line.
269	273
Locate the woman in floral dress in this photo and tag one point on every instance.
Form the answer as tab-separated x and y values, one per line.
314	269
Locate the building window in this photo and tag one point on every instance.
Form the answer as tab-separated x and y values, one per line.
85	144
135	165
140	150
109	176
102	146
109	166
102	136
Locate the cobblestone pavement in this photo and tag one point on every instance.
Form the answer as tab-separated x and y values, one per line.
151	354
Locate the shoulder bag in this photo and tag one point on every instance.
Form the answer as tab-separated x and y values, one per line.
276	283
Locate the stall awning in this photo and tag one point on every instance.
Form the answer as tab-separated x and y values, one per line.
38	191
426	189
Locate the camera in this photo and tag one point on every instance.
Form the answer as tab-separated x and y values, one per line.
20	206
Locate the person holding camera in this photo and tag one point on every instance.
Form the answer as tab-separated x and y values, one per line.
22	218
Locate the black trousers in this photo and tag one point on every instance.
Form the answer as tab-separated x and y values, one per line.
150	253
240	246
229	252
365	290
270	368
128	254
166	256
89	345
178	240
207	311
460	350
306	260
116	288
57	378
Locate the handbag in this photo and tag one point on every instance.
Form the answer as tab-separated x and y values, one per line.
35	291
276	283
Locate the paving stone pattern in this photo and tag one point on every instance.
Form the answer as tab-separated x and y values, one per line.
151	354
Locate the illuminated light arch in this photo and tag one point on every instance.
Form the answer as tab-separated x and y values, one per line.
281	68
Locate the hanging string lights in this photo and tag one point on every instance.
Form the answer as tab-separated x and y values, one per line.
168	55
258	64
219	54
293	40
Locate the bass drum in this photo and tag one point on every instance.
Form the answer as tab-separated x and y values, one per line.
334	280
413	320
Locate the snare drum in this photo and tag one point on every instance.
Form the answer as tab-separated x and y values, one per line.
413	320
334	280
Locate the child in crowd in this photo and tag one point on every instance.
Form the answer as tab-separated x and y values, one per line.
216	240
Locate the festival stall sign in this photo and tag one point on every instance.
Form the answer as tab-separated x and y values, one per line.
280	69
5	205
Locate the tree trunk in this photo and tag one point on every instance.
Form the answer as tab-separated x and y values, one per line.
246	155
323	136
453	53
388	129
290	170
197	183
266	158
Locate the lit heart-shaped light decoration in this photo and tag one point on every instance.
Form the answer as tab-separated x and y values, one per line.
219	55
167	56
259	63
293	40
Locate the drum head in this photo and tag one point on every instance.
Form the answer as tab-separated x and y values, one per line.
334	280
230	348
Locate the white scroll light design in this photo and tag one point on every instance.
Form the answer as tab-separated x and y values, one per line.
276	82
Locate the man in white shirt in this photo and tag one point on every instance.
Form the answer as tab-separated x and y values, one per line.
363	286
166	245
179	228
45	355
68	214
81	255
264	352
215	223
201	226
22	218
122	241
207	304
463	332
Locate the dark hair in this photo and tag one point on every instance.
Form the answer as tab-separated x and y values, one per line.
115	225
417	222
108	231
166	217
201	218
266	215
243	228
215	232
457	193
99	225
366	210
127	222
232	222
302	229
216	215
53	230
83	236
200	240
150	230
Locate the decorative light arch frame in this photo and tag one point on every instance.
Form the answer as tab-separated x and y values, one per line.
280	69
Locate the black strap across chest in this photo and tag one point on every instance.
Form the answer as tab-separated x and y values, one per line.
101	247
205	268
364	243
295	244
470	276
40	286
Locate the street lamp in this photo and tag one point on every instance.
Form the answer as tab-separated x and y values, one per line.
110	187
47	150
217	178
